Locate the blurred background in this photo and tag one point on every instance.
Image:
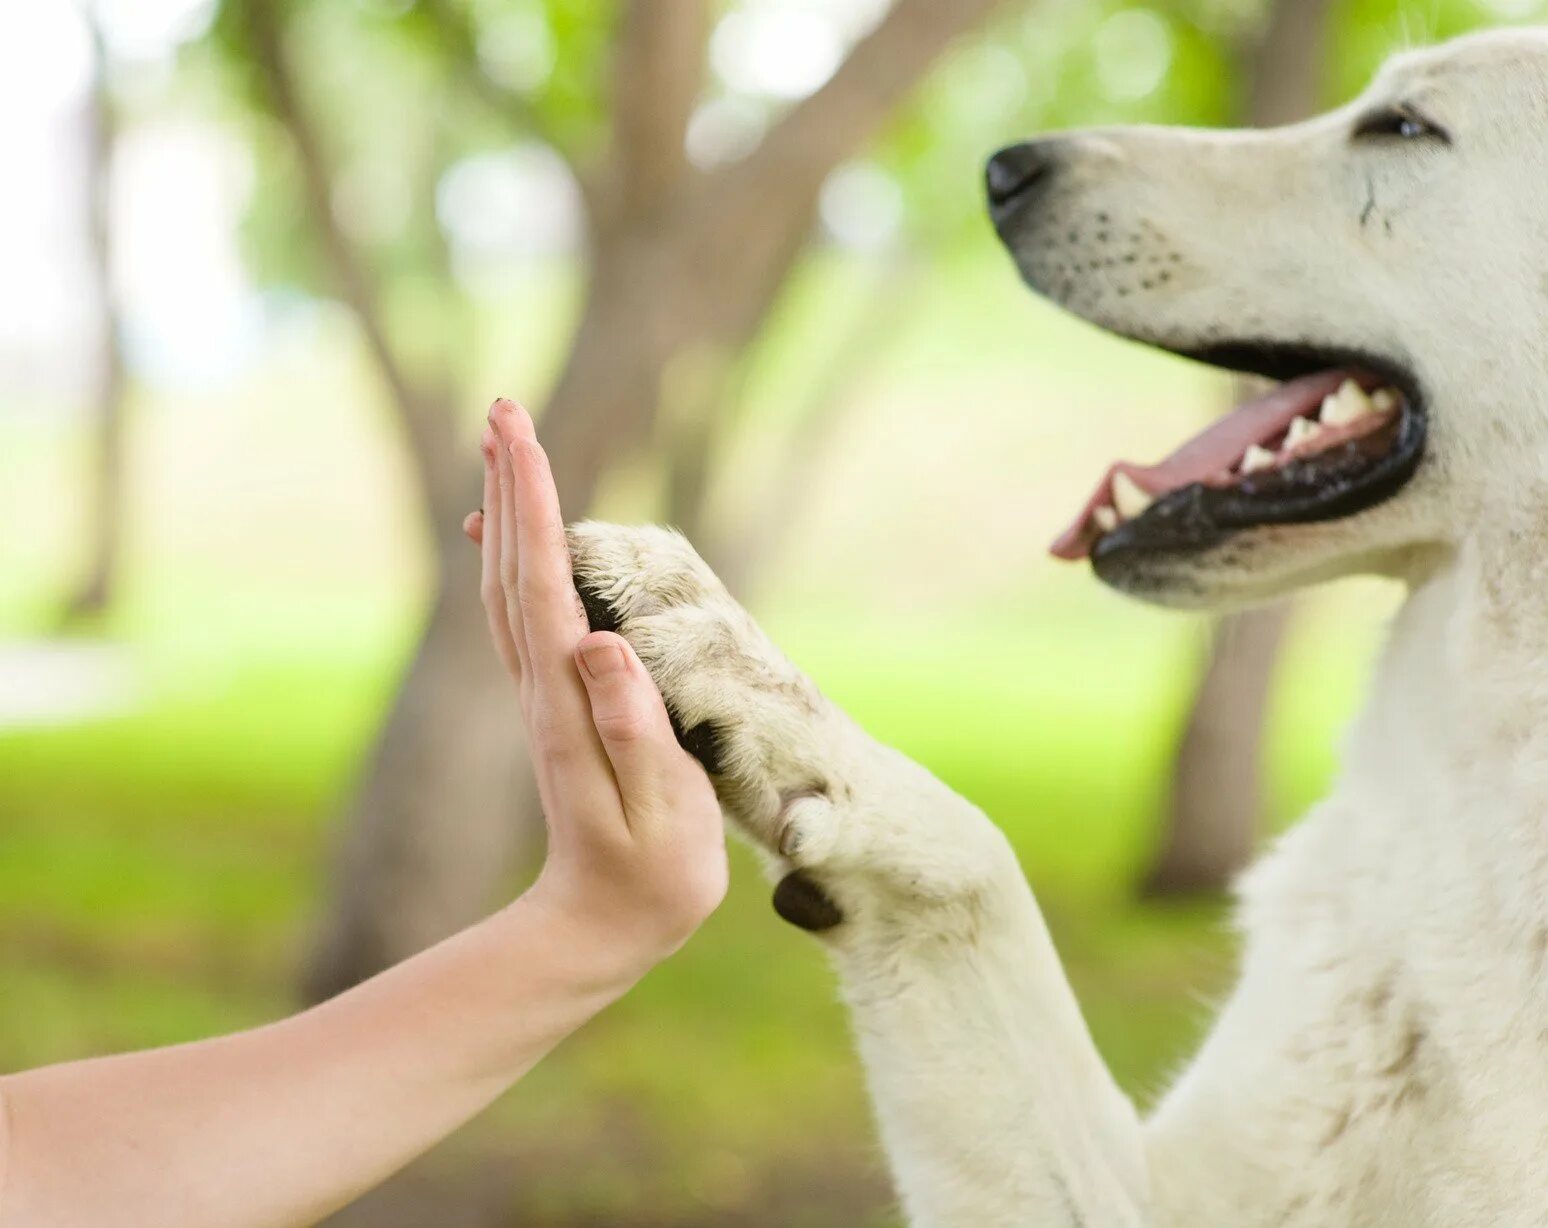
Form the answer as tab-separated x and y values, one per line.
263	264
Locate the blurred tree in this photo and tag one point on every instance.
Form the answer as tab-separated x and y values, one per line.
1217	777
434	823
684	264
104	530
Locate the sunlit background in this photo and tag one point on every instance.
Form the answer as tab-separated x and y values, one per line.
218	555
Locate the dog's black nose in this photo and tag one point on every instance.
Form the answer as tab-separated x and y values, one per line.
1016	169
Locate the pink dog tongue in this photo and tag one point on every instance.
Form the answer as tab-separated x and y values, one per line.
1208	457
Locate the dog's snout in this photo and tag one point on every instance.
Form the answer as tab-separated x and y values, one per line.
1016	170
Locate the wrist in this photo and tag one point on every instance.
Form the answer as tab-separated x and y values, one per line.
594	953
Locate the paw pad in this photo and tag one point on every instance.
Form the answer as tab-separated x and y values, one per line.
702	741
600	614
805	905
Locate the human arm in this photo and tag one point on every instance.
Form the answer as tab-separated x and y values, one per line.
282	1124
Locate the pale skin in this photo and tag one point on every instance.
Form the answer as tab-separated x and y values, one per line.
283	1124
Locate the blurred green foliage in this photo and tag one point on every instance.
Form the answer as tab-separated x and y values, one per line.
405	91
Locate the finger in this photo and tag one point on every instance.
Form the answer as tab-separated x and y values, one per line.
567	751
552	617
490	587
509	565
473	527
631	720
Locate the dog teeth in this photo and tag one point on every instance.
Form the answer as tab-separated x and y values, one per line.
1129	498
1303	430
1349	404
1257	459
1106	519
1385	400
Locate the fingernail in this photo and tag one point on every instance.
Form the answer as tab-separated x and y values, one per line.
603	659
487	443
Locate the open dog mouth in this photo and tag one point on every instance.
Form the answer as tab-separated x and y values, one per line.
1318	447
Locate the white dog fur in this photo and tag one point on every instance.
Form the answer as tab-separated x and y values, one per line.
1383	1060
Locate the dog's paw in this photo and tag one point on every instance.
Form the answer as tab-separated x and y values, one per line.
839	817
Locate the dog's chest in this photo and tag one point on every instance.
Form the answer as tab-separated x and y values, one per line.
1437	954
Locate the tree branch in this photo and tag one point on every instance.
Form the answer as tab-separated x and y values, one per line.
658	70
457	35
884	67
420	410
1283	62
105	530
707	266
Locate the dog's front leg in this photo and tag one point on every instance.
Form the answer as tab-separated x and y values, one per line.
993	1102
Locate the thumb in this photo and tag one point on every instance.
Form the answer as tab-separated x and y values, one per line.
629	716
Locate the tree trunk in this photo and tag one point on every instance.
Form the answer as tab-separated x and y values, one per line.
442	813
446	807
1217	776
105	520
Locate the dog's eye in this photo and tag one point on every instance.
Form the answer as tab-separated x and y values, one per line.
1401	123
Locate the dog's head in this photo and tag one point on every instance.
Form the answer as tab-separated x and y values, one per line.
1387	263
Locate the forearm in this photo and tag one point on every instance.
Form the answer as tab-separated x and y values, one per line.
283	1124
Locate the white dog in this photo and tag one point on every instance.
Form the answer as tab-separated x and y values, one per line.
1384	1058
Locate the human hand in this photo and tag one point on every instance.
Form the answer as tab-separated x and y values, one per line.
636	846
